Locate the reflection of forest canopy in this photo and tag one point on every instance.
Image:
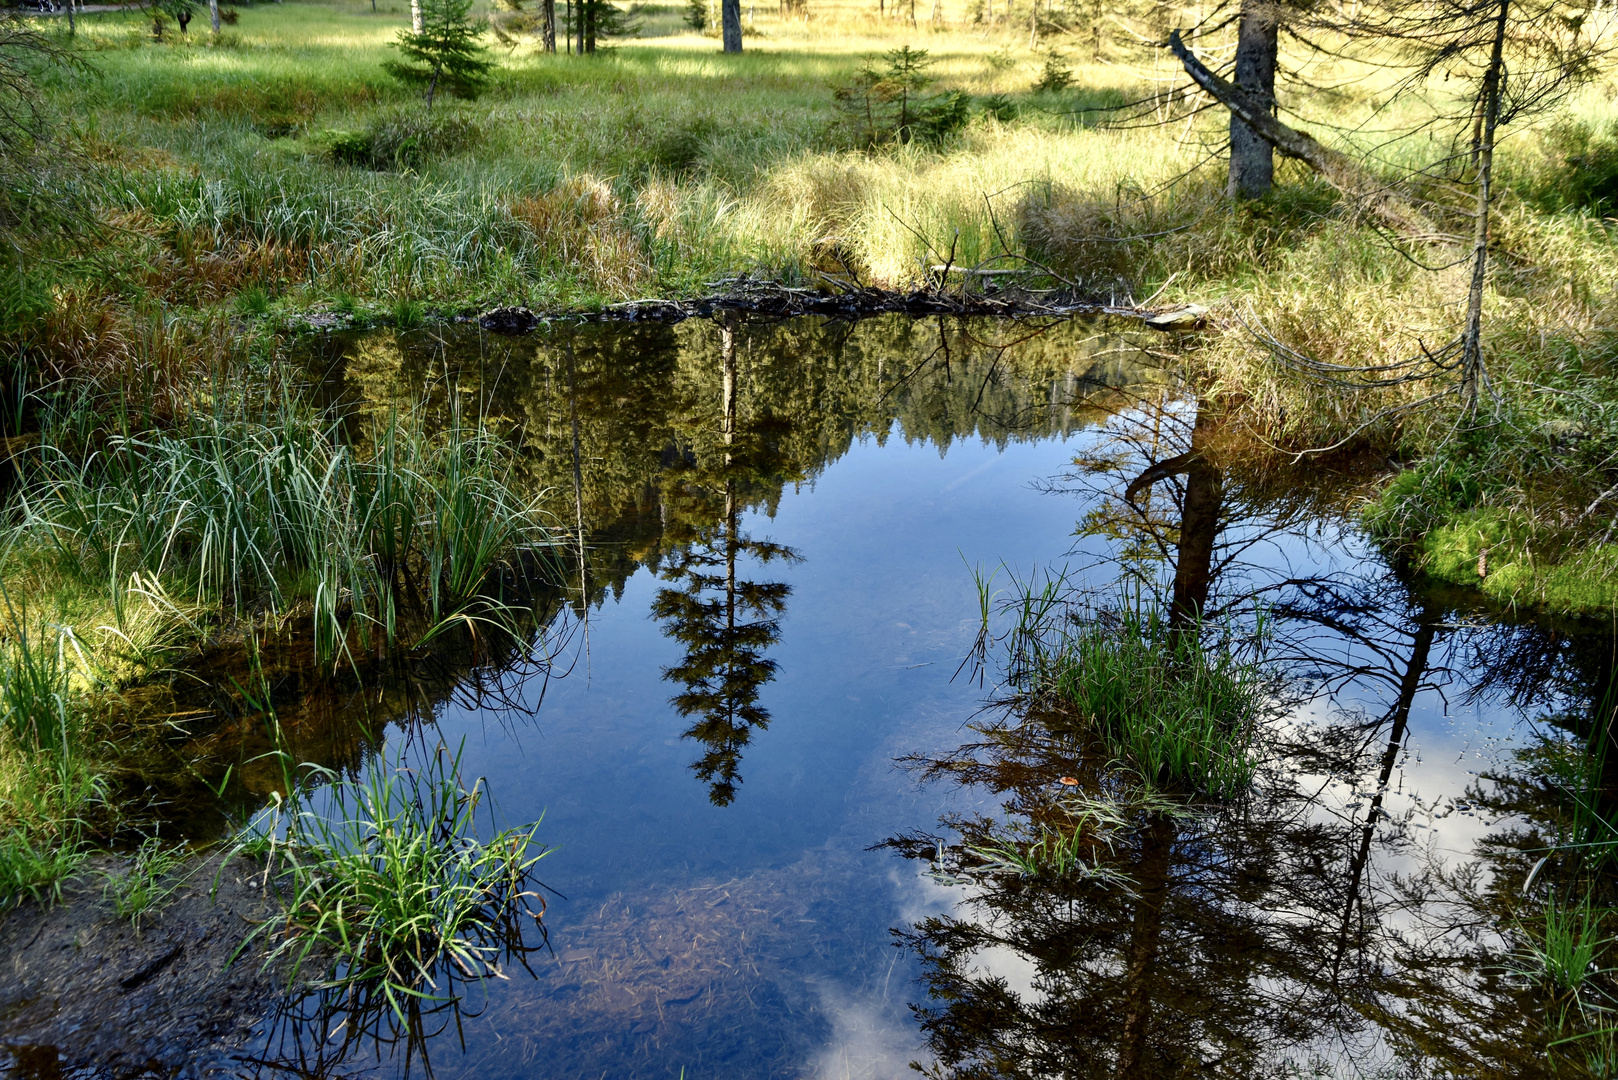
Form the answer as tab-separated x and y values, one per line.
647	396
674	435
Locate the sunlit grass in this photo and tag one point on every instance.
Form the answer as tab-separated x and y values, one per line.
389	889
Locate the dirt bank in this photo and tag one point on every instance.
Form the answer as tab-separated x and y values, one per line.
84	993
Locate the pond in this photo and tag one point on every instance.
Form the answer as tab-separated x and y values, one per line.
758	721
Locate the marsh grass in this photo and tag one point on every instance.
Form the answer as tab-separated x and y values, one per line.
152	877
1179	712
251	512
387	883
1177	706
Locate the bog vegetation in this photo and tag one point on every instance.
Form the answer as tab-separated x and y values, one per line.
1426	281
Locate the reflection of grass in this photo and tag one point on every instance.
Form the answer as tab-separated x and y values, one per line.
392	883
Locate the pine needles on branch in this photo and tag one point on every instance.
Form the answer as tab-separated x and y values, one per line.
445	54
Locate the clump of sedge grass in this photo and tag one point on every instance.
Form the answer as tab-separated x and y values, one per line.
45	781
1179	712
250	511
149	880
392	884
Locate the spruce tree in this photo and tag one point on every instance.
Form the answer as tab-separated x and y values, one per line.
445	53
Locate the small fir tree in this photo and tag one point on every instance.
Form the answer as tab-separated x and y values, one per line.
445	54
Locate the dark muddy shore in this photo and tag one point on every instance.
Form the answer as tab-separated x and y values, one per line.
86	994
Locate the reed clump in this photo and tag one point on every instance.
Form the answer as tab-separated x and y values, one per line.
1174	703
388	887
250	513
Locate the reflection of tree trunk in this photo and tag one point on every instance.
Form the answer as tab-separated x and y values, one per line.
1145	941
727	387
1415	671
1199	527
1604	740
578	478
727	430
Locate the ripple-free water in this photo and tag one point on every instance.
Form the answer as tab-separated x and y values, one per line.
718	908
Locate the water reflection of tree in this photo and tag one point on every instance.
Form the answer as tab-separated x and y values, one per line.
1239	938
724	621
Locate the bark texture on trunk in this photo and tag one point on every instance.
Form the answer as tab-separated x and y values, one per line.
547	26
213	13
1337	169
1472	374
730	17
418	24
1252	157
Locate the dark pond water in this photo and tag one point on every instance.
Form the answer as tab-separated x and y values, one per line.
770	676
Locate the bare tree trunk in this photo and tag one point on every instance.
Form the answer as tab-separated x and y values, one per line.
1472	373
587	36
213	14
73	27
730	17
418	24
1252	158
547	27
1336	169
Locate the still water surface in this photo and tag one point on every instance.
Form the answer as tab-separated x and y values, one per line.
772	676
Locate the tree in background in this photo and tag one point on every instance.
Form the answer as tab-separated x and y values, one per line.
730	24
590	22
446	52
1515	59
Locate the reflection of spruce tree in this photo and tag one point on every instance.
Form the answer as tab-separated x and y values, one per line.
725	623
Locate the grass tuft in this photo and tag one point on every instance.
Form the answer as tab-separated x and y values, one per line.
390	883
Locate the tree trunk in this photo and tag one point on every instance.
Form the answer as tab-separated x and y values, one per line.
547	27
587	39
213	14
1472	373
73	28
730	17
1252	158
418	24
1336	169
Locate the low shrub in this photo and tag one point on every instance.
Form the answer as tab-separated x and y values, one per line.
405	139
